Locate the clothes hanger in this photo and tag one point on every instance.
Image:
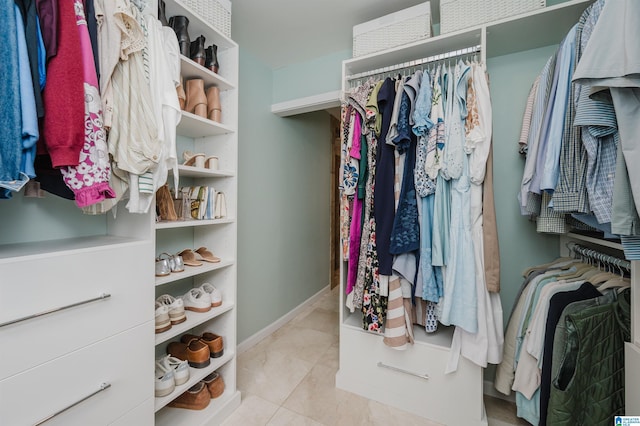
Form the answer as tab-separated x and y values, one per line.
588	274
551	265
581	268
616	281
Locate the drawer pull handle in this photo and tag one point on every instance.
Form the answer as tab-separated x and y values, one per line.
400	370
103	296
103	387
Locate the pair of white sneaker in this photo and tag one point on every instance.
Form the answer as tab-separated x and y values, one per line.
202	299
169	312
170	372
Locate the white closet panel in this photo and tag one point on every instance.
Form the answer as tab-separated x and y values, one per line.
412	380
71	277
120	361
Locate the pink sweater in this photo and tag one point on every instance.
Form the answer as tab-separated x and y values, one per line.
63	127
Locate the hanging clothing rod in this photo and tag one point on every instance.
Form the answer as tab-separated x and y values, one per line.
598	256
418	62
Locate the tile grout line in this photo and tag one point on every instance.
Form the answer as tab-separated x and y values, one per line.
316	363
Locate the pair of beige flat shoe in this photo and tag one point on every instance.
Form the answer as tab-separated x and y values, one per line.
196	257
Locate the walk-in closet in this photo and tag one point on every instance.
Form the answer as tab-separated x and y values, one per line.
237	212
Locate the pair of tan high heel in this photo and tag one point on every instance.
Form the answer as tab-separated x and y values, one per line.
196	101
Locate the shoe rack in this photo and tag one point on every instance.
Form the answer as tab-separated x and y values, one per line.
200	135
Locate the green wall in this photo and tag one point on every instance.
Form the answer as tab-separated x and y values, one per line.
511	77
288	141
39	219
283	206
320	75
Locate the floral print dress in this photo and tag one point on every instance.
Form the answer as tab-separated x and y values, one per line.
374	306
89	180
345	175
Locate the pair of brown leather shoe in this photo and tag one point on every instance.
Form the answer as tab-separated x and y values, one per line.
195	352
213	342
215	384
199	395
196	101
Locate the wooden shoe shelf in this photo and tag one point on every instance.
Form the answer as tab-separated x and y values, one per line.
200	135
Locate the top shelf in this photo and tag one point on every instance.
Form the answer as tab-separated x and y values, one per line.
594	240
539	28
198	26
413	51
542	27
9	252
189	69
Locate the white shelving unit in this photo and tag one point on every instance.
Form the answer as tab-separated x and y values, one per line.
363	355
200	135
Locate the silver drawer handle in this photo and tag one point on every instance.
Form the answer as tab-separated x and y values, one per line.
101	297
400	370
103	387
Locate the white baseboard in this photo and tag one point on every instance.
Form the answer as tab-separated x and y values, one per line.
489	390
253	340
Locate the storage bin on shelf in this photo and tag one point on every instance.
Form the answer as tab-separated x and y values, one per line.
215	12
395	29
458	14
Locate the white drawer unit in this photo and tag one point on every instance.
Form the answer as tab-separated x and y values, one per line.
61	302
412	380
92	386
142	415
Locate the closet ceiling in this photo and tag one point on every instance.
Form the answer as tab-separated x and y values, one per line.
285	32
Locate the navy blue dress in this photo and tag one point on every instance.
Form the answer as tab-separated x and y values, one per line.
383	198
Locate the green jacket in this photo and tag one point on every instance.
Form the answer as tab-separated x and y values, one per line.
589	386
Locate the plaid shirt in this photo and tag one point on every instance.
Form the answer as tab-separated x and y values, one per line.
570	195
533	142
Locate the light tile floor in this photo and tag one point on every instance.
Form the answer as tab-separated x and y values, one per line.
289	379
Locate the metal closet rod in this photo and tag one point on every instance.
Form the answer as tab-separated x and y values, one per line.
418	62
598	256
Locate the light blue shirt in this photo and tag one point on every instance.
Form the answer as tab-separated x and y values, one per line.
534	185
566	64
422	109
534	132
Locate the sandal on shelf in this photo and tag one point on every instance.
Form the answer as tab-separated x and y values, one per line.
204	254
193	160
189	258
175	262
211	162
162	267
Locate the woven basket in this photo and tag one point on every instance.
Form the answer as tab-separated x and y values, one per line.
392	30
217	13
459	14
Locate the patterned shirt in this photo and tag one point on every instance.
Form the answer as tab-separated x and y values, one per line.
570	195
599	135
542	97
